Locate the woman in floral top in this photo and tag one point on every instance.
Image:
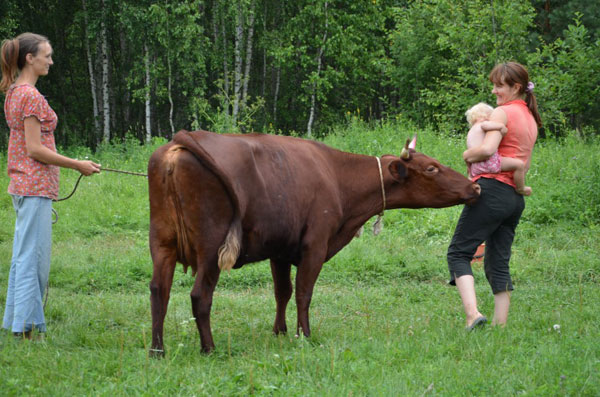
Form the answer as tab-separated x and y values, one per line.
33	168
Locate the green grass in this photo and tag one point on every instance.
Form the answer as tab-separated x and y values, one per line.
383	318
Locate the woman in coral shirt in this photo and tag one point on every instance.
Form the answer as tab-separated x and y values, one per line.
494	218
33	168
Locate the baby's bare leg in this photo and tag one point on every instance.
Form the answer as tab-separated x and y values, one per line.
516	165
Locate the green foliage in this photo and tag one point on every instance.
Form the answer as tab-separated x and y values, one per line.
8	21
567	80
461	41
219	119
349	37
172	34
553	18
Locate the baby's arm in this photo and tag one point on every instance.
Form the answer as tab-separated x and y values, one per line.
493	126
491	141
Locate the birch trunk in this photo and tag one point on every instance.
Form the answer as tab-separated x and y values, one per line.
169	82
248	56
170	93
90	64
105	83
276	95
147	99
313	97
239	36
126	100
264	71
225	62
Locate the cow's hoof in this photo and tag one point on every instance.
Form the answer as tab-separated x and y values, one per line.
207	349
280	330
156	353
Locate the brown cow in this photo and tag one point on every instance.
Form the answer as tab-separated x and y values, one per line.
221	201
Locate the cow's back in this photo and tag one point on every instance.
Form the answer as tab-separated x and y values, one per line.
275	184
289	179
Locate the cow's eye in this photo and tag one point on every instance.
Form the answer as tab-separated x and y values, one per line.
432	169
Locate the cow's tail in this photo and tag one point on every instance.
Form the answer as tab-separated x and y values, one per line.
180	229
230	250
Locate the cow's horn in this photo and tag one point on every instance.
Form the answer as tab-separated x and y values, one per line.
405	153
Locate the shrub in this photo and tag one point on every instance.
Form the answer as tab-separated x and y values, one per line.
567	81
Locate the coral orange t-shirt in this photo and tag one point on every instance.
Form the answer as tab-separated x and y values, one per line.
29	177
518	141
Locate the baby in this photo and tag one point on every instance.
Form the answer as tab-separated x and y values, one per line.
478	116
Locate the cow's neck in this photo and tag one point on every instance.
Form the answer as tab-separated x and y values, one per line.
360	183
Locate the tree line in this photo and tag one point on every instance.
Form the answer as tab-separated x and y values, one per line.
145	68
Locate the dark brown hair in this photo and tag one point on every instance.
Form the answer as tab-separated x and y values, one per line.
13	53
512	73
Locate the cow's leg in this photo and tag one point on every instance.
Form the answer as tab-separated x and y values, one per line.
202	295
308	271
160	289
283	293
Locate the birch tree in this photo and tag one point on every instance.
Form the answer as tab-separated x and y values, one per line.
275	53
179	46
105	83
315	81
249	36
276	93
221	37
237	77
90	66
147	108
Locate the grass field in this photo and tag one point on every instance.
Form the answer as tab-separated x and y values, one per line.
384	320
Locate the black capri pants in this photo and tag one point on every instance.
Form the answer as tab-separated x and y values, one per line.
493	219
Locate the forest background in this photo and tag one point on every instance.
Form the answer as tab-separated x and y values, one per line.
142	68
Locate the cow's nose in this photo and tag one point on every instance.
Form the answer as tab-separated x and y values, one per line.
477	188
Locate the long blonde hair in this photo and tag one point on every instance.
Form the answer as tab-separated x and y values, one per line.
13	53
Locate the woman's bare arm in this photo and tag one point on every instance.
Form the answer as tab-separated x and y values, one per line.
493	125
39	152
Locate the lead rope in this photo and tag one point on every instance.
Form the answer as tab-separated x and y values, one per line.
71	194
379	222
79	180
124	172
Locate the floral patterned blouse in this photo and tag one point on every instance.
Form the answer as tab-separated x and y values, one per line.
29	177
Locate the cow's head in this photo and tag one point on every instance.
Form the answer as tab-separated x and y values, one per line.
419	181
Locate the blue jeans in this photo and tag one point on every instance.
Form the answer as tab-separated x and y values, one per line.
30	266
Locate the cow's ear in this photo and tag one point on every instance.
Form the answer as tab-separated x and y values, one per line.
398	170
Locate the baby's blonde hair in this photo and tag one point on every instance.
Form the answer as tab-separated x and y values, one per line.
480	111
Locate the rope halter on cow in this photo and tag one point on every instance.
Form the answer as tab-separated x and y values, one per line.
379	222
